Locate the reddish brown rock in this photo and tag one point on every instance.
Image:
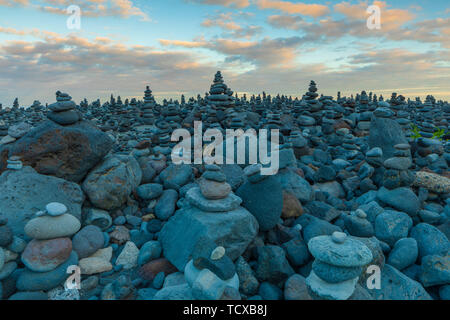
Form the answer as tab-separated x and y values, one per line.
67	152
149	270
120	235
46	255
341	124
292	207
143	144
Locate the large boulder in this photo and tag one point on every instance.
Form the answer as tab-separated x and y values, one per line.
402	199
385	133
191	227
292	182
397	286
67	152
25	191
110	183
255	198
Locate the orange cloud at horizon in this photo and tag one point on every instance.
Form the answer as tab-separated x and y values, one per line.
314	10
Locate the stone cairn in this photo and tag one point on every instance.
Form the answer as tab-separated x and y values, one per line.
211	271
338	263
63	112
220	96
397	172
147	108
50	250
14	163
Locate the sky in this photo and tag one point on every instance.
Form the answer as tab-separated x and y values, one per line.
176	46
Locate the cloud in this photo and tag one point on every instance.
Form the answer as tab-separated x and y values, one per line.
225	3
278	52
181	43
391	19
89	8
233	30
396	25
314	10
93	68
11	3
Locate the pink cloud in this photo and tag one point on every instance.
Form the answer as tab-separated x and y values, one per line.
314	10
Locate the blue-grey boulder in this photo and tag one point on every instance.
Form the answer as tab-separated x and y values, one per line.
397	286
264	200
430	240
234	230
391	226
401	199
24	192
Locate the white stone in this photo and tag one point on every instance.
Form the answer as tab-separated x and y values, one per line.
94	265
105	254
218	253
129	256
55	208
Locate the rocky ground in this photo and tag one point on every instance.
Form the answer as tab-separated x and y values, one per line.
363	185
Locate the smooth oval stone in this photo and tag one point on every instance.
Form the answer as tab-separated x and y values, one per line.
214	190
166	205
46	255
330	291
333	274
47	227
212	167
338	237
87	241
55	209
217	176
149	191
64	117
195	198
36	281
218	253
361	214
404	253
375	152
402	146
398	163
350	253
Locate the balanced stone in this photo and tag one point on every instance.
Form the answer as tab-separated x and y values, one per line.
46	255
55	209
48	227
336	251
196	198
